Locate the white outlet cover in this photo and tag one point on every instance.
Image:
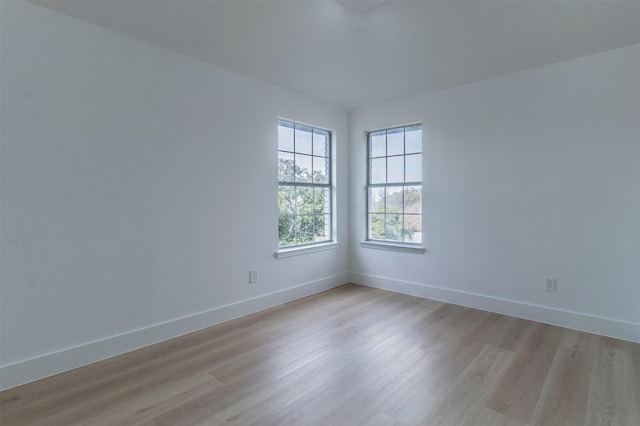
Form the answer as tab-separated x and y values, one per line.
550	283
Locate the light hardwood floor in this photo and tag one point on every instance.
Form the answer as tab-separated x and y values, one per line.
348	356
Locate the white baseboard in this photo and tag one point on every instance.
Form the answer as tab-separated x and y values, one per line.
47	365
575	320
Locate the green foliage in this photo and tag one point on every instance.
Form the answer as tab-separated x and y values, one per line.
387	227
303	210
396	217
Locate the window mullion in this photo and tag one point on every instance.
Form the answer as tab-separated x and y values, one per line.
402	210
313	214
386	158
404	157
378	185
306	184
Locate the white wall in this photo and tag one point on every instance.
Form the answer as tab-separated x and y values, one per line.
138	187
525	175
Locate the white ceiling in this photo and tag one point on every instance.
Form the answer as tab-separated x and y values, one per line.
351	56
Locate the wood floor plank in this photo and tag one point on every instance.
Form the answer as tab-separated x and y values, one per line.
373	382
190	411
145	406
509	333
467	396
578	340
517	392
351	355
613	397
368	342
287	394
381	419
446	354
563	400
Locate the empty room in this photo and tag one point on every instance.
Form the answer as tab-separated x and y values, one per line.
319	212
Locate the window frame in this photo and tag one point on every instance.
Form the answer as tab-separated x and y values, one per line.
313	246
369	242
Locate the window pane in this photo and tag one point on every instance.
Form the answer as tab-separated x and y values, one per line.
303	139
378	170
395	142
413	139
414	168
376	226
393	227
395	169
413	228
376	200
321	201
285	136
287	229
378	144
320	143
320	232
305	229
303	168
286	199
413	199
304	200
320	170
394	199
318	228
323	228
285	166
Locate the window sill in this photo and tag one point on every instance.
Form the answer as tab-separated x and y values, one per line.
295	251
393	247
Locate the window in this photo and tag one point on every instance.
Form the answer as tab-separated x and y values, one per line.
394	185
304	184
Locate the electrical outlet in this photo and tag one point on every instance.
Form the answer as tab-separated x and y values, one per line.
253	276
550	283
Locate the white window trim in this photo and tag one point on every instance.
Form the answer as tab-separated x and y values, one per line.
379	245
288	251
384	244
297	250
